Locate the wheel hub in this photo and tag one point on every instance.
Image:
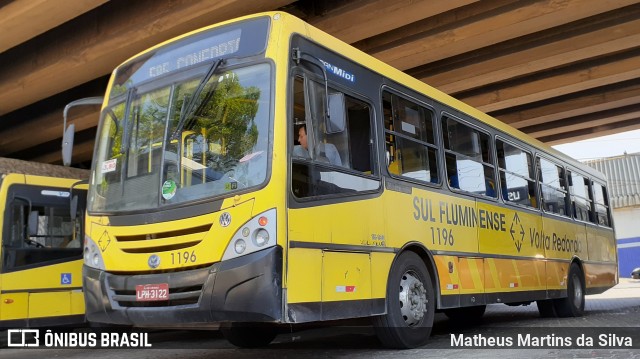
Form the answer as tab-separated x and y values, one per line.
413	298
577	292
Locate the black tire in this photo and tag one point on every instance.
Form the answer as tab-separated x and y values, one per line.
546	308
573	304
249	335
407	324
473	314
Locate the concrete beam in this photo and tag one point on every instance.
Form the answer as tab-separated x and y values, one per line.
66	57
362	19
417	48
23	20
557	82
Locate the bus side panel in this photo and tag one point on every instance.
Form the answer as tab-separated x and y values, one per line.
556	276
77	302
304	275
49	304
317	275
506	231
380	270
14	306
448	276
346	276
601	269
311	226
471	280
562	241
504	276
47	291
604	249
599	276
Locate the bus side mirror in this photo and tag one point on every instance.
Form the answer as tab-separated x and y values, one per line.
336	122
67	144
67	138
33	223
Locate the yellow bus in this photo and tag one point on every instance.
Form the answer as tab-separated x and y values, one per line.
41	252
259	172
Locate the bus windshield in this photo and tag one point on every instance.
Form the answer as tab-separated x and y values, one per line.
190	138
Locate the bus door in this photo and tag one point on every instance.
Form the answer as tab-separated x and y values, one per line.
335	213
41	255
562	238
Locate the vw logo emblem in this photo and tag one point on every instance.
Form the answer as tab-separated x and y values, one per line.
154	261
225	219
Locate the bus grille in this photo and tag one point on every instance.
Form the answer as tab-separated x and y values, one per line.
185	288
163	241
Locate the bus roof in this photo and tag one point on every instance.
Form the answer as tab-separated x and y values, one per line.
10	165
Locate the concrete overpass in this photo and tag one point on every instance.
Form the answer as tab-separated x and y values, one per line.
560	70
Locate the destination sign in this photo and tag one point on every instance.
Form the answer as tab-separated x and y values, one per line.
195	53
237	40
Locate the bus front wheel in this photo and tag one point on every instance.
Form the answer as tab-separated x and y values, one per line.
249	335
410	305
573	304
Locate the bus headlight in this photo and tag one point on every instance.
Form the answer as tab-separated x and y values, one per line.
257	234
92	254
261	238
240	246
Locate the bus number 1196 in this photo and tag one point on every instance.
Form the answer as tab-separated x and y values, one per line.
442	236
183	257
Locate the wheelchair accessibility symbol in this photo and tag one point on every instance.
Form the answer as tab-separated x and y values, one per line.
65	278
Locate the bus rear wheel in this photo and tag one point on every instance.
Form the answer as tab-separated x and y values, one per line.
249	335
410	305
573	304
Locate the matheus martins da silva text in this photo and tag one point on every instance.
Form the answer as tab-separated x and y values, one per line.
609	340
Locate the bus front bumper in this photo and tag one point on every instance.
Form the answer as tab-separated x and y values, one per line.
244	289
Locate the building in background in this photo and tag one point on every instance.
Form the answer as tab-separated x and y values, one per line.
623	173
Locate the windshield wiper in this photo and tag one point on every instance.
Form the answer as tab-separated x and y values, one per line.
190	109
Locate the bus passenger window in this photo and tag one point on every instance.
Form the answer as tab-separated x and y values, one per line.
468	158
601	205
516	174
581	203
553	191
411	150
329	162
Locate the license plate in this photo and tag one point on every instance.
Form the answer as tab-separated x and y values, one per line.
152	292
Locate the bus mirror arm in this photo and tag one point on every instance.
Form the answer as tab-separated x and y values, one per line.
73	205
68	133
300	56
